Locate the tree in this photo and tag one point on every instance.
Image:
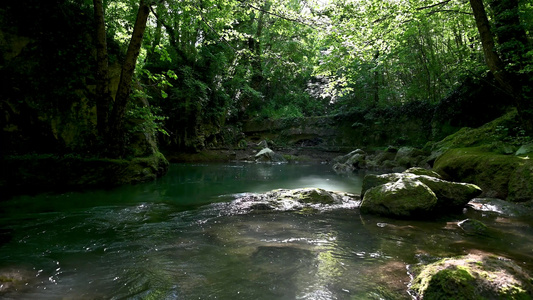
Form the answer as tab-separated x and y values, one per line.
103	96
113	129
391	52
508	66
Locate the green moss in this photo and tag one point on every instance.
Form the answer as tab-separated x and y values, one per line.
474	227
454	283
472	277
315	196
489	136
422	171
503	176
5	279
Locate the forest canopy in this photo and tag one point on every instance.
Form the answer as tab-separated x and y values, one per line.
294	58
217	62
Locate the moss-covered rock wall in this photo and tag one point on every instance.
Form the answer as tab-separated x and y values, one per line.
48	133
402	125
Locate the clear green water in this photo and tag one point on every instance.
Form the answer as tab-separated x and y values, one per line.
180	238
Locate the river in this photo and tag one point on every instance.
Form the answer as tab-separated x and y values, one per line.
181	237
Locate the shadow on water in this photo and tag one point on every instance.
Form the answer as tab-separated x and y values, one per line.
180	238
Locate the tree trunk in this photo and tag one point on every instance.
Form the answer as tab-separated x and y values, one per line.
255	48
514	83
376	82
511	35
494	62
151	56
116	123
103	96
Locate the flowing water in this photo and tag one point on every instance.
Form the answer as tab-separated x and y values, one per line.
182	238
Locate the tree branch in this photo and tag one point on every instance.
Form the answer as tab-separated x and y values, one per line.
434	5
450	11
277	15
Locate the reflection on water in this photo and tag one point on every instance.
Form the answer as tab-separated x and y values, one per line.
180	238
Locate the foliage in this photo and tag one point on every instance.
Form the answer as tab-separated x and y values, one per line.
147	118
208	63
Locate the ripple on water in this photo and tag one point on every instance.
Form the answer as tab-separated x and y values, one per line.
233	249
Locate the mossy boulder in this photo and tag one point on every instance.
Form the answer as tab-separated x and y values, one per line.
343	158
404	198
422	171
472	277
501	176
313	195
499	136
382	194
350	162
371	180
409	157
451	195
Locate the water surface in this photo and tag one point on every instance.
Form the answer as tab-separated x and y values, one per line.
181	238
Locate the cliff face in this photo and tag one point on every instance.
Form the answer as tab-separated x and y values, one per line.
48	119
46	68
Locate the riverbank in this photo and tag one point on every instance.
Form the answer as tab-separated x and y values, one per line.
295	155
48	172
494	156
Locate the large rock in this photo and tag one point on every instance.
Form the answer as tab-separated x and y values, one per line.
422	171
297	199
501	176
343	158
406	197
450	196
267	155
371	180
472	277
350	162
409	157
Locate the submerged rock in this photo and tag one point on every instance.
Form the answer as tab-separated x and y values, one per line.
297	199
13	280
343	168
500	207
472	277
473	227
